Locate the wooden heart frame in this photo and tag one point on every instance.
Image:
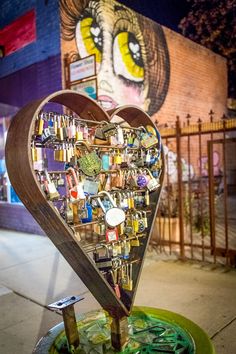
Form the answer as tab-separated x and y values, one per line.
23	179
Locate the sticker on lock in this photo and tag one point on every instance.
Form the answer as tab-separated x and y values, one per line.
112	235
153	183
148	140
113	216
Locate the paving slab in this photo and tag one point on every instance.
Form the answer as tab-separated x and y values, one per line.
206	297
225	341
34	268
22	323
19	248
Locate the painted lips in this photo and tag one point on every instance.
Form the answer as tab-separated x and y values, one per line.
107	102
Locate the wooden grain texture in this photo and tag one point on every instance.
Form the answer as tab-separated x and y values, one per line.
23	179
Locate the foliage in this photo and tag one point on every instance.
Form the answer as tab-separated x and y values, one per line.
195	207
212	23
199	215
169	201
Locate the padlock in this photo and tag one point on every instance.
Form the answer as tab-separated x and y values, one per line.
103	262
113	281
120	136
48	135
105	162
76	192
113	216
91	186
142	179
90	164
148	157
135	242
72	129
132	200
145	219
130	138
53	194
129	200
109	129
112	234
59	133
99	134
153	183
141	223
34	152
102	229
89	214
117	158
79	133
75	213
39	125
127	281
124	202
60	181
147	198
85	131
135	226
64	127
125	249
148	140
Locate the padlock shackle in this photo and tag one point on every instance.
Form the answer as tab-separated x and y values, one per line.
101	205
109	197
85	144
70	175
149	172
48	178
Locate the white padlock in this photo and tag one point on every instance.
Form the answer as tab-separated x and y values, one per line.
113	216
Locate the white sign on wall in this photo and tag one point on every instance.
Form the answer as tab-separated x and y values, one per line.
82	68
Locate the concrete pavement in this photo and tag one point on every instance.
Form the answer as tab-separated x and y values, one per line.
33	274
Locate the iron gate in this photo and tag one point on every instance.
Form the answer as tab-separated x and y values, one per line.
196	214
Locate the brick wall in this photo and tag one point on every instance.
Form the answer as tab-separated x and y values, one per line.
47	42
198	77
198	81
27	74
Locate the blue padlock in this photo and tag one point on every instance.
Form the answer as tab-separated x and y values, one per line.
89	212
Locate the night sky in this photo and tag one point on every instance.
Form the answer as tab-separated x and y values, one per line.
165	12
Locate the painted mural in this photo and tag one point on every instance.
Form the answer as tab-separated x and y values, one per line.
132	57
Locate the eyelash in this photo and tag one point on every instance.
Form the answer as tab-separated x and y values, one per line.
131	83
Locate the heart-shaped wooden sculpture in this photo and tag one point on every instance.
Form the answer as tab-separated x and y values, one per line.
23	178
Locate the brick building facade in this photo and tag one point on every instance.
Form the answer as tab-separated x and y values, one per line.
194	78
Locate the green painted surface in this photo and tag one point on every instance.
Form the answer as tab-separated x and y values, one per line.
150	330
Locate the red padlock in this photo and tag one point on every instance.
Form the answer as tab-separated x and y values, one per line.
112	234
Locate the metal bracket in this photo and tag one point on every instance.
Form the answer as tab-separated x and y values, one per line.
66	305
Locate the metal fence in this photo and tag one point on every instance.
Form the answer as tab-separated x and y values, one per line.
197	213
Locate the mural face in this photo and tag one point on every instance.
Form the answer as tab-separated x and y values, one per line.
131	52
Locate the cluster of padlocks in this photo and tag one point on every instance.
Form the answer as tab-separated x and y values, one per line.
100	175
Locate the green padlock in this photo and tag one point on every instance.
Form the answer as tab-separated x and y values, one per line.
90	164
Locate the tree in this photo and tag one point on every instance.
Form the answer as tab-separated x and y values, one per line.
212	23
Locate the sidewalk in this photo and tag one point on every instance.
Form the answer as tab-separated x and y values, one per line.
33	274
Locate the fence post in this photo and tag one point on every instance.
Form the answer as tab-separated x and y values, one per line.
180	199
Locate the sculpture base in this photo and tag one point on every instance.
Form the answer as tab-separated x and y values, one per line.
150	330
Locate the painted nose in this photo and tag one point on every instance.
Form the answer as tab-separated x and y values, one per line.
104	85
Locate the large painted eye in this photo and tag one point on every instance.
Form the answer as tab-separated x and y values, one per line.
89	38
127	57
